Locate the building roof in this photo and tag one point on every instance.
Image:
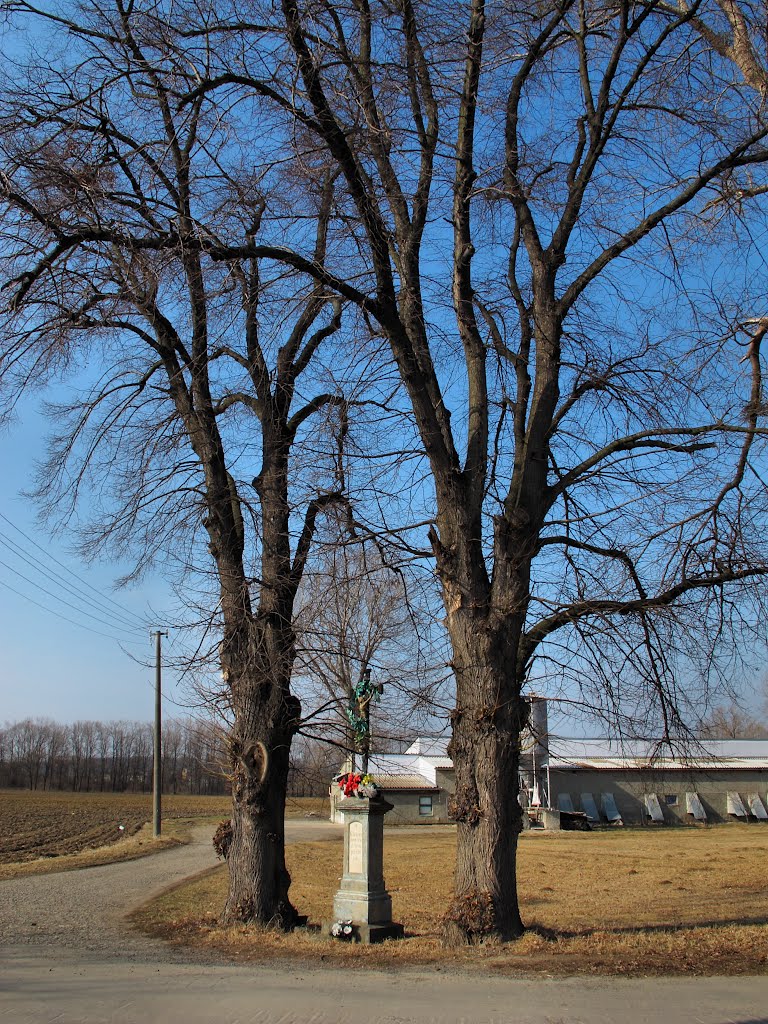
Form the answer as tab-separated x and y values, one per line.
601	753
410	763
428	755
430	746
404	782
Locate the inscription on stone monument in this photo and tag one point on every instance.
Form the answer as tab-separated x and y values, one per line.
356	848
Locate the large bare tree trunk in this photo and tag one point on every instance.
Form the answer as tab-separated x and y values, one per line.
485	620
258	877
266	717
485	750
257	656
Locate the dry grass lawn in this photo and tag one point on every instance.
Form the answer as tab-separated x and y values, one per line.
676	901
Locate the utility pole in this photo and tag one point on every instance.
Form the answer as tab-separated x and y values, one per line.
157	746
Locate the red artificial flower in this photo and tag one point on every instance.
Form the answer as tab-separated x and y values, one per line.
348	783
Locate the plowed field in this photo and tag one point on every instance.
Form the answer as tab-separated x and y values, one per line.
34	824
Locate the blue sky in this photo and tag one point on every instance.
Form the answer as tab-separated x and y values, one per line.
53	668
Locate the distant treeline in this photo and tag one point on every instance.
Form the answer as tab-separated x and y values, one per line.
117	757
111	757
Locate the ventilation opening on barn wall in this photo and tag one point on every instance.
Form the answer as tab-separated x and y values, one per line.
756	807
694	807
565	803
736	806
653	808
610	810
589	807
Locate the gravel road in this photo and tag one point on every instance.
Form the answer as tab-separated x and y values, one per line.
85	909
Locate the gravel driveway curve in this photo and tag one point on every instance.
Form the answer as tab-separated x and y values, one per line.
85	909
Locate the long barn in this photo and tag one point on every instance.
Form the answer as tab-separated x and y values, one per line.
606	781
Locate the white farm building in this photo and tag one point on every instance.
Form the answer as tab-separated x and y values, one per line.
605	781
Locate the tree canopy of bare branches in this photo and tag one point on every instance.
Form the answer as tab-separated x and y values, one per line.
358	613
527	206
729	721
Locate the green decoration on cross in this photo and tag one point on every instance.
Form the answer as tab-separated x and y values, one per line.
359	716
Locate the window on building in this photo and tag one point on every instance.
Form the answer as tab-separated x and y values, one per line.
425	805
670	799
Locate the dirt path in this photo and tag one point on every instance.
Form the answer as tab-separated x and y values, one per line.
85	909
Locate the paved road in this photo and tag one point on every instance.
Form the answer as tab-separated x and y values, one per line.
67	958
71	989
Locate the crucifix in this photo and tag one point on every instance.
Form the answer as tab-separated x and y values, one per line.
359	715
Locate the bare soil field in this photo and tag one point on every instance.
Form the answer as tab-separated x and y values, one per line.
637	902
47	826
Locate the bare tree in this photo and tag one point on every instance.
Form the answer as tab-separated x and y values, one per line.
523	212
729	721
361	612
129	237
30	739
81	745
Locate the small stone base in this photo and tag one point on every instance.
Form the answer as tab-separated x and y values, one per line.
368	933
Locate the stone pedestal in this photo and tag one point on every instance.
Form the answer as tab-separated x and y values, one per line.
362	897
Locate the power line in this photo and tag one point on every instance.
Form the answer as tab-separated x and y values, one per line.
59	581
56	597
66	618
142	623
87	597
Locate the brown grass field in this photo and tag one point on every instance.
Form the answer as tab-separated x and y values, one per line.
49	831
636	902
